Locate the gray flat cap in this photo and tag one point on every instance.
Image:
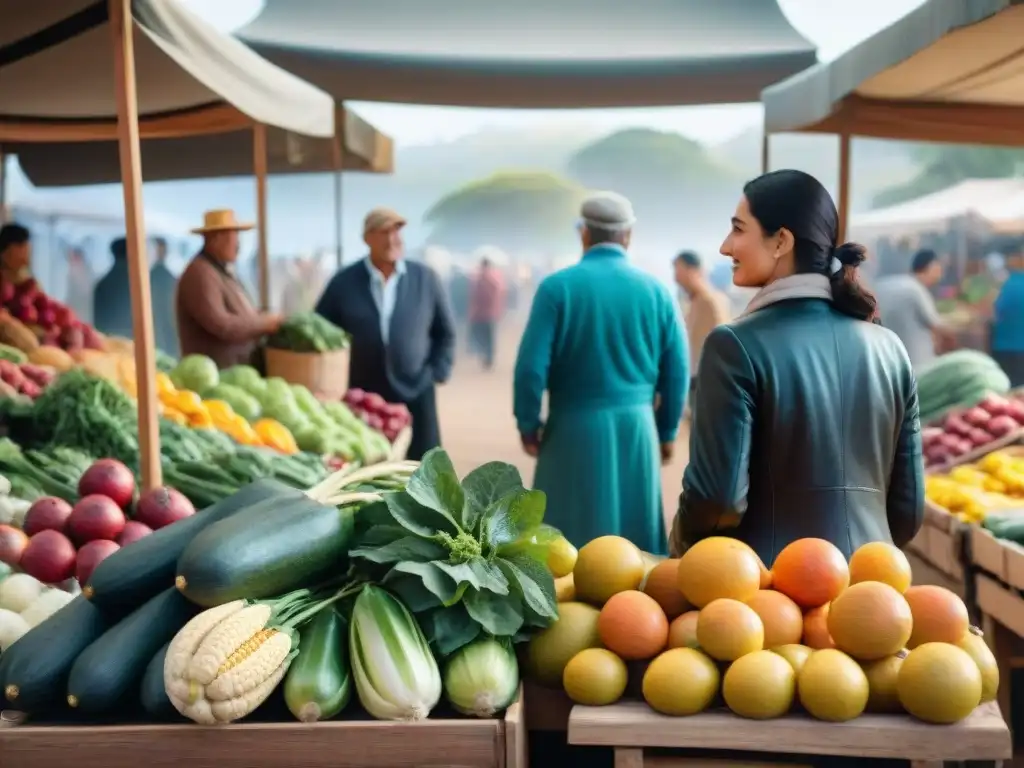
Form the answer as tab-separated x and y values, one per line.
608	210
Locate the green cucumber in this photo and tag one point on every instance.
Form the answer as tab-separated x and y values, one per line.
135	574
319	682
266	552
112	667
34	671
153	694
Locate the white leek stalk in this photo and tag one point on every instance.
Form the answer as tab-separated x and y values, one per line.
482	678
394	670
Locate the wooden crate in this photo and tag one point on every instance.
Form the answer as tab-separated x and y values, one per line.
462	743
939	544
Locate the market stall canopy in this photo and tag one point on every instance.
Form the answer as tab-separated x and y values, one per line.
363	148
951	70
533	53
57	65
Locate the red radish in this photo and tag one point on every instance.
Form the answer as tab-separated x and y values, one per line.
160	507
95	517
91	555
133	531
28	315
977	417
30	389
994	404
47	514
374	402
110	478
1001	426
49	557
355	396
12	544
979	437
394	425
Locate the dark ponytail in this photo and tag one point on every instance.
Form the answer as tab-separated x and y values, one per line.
849	295
797	201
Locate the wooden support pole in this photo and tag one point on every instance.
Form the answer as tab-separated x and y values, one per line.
121	26
259	163
843	206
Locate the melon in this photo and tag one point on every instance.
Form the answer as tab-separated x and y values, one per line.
870	620
759	685
550	650
728	629
939	683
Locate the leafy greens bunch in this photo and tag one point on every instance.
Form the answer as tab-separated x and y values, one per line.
467	558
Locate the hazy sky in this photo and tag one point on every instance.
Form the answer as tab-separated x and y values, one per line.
834	25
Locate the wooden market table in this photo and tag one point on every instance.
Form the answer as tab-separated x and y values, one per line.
936	554
630	728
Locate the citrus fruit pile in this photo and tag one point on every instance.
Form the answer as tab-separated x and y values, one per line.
716	626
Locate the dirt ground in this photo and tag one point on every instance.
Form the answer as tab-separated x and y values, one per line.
477	424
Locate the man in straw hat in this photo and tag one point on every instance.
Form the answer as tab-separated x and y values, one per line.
605	341
403	335
216	317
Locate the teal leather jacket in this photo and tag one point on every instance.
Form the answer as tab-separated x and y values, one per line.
805	424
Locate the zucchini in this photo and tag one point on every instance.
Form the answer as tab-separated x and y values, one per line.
112	667
319	682
265	552
153	694
135	574
34	671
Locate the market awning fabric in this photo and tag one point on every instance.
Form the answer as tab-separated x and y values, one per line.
533	53
57	68
364	148
951	70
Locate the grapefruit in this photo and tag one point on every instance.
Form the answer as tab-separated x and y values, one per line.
606	566
682	632
551	649
810	571
681	681
595	677
662	583
870	620
939	683
728	629
816	628
633	626
976	647
718	567
939	616
882	674
795	654
879	561
561	557
759	685
832	686
782	618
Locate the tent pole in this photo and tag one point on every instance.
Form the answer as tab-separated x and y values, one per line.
259	162
121	25
338	218
844	184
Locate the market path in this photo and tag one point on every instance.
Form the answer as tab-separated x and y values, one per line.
476	417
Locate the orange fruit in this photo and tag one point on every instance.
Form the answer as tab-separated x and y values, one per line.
728	629
810	571
605	566
718	567
663	585
633	626
939	616
870	621
879	561
816	634
682	632
782	618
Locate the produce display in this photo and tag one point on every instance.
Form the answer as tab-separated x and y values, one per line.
838	638
396	585
48	320
24	604
958	380
308	332
23	378
973	491
965	431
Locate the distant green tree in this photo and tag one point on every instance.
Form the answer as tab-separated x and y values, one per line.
513	210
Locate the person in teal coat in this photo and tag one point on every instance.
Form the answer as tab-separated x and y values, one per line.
605	341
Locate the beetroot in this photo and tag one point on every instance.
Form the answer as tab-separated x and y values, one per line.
12	544
91	555
95	517
133	531
49	557
160	507
47	514
110	478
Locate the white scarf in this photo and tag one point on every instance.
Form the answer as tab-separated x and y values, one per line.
804	286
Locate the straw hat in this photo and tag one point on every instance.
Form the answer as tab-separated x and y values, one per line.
382	218
220	220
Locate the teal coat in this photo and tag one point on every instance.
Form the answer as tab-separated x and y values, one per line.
603	339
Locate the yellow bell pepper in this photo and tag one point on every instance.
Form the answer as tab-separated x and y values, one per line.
219	410
243	433
164	386
188	403
174	415
275	435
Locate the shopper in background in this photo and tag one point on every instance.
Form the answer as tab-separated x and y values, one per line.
707	308
15	253
80	285
1008	318
162	286
486	307
403	334
111	301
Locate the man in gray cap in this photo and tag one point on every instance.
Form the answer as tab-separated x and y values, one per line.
604	340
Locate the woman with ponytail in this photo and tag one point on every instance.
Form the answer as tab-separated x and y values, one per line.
805	417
